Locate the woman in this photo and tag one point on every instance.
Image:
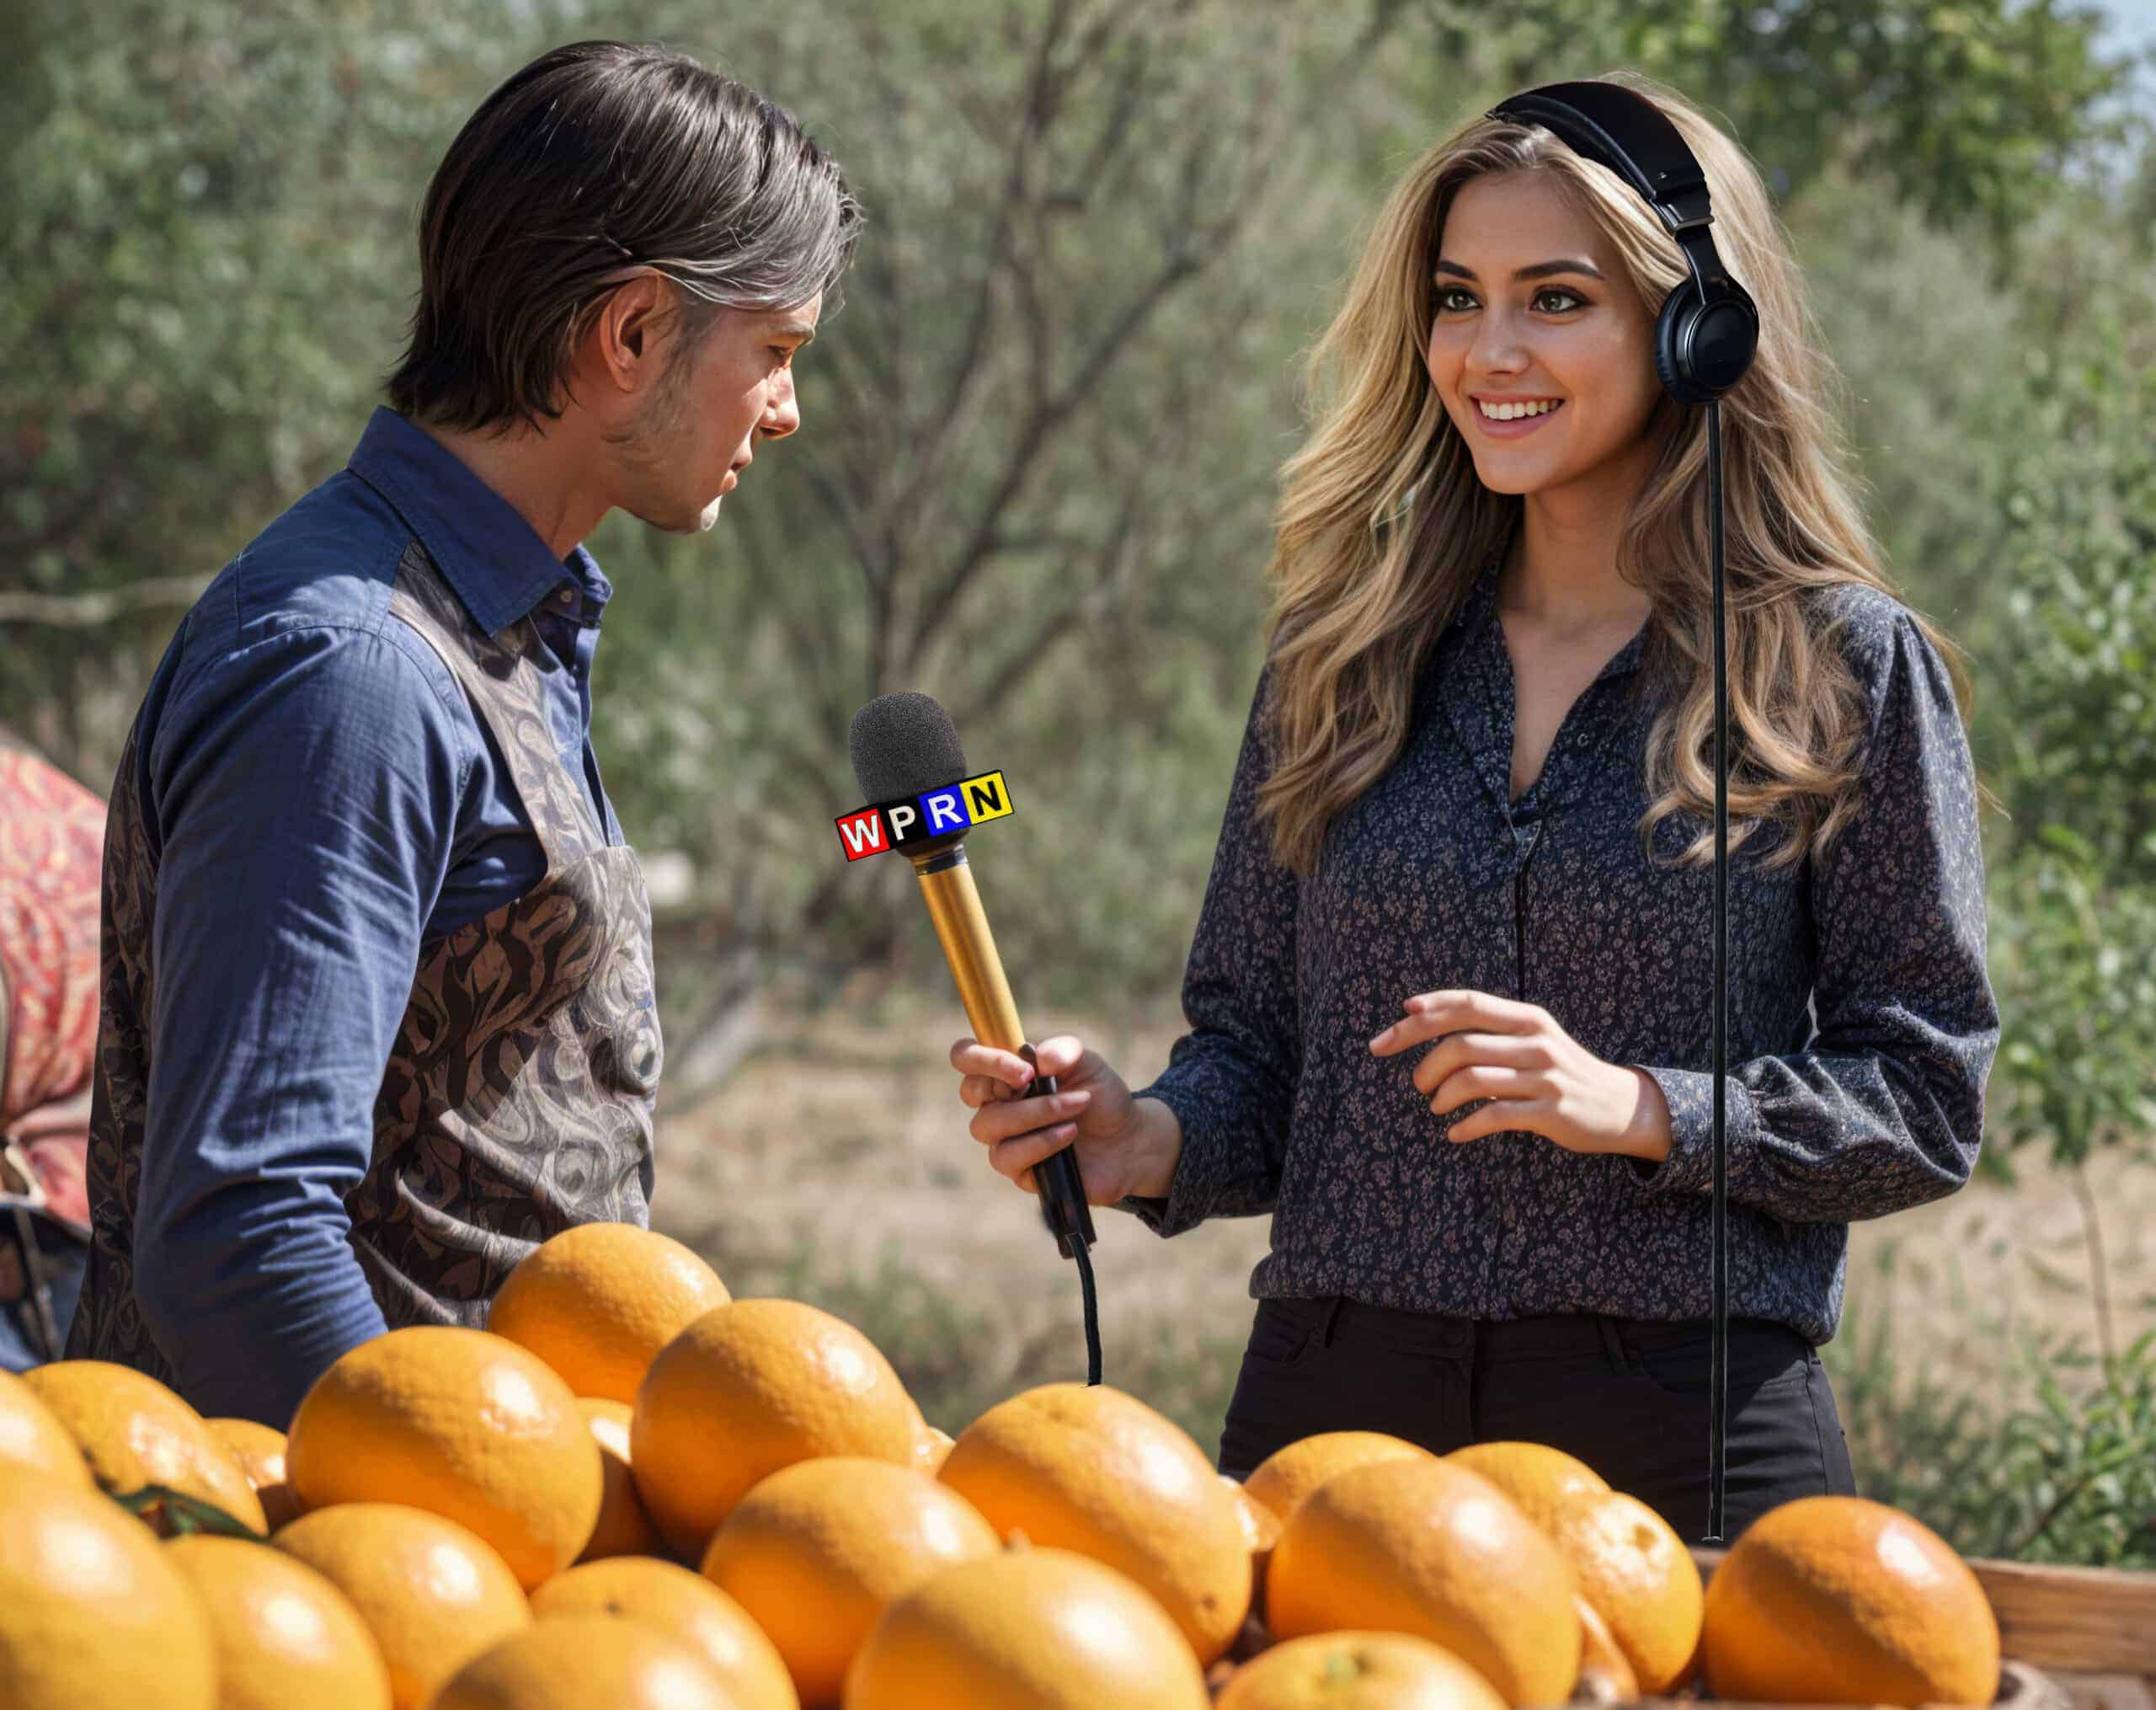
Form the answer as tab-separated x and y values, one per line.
1449	993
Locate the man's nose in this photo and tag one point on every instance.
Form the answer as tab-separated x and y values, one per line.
782	414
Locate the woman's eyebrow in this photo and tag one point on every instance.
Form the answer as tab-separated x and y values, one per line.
1540	270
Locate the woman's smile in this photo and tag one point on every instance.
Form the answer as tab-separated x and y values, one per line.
1515	421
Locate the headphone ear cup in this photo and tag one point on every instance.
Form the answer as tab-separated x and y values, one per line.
1679	307
1719	334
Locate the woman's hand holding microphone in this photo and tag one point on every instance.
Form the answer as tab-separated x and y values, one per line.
1123	1145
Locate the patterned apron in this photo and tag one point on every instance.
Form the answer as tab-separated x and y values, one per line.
517	1100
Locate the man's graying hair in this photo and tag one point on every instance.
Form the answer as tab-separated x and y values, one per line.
596	161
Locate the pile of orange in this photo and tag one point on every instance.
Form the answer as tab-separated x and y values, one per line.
634	1490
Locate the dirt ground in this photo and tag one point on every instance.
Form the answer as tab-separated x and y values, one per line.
845	1140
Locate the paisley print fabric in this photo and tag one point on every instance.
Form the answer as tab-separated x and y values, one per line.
518	1099
1861	1021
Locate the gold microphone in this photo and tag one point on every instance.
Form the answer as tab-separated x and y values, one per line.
904	745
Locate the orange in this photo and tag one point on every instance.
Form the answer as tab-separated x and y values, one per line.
1540	1480
1261	1532
261	1451
463	1424
286	1639
930	1444
1839	1600
91	1612
1087	1467
597	1303
1289	1474
1605	1677
134	1431
433	1593
1351	1670
815	1552
624	1529
1640	1577
748	1388
1026	1629
1426	1546
686	1607
30	1436
931	1448
1261	1526
585	1662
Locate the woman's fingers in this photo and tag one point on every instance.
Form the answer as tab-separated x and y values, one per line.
1480	1080
1017	1157
1059	1054
970	1056
1510	1050
1005	1117
1434	1014
1020	1131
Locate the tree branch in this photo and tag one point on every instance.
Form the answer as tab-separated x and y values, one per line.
1038	107
1092	368
104	605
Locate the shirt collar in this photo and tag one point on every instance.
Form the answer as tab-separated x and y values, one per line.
486	550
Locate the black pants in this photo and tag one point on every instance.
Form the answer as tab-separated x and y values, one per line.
1627	1395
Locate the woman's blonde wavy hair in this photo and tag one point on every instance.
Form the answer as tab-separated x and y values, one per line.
1383	525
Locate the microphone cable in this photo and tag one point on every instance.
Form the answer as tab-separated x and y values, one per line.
1059	1189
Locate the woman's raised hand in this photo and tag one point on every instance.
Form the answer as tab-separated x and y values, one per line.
1118	1152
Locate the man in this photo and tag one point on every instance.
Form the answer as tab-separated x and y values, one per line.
51	832
378	1013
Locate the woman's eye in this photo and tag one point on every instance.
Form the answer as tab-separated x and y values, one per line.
1445	293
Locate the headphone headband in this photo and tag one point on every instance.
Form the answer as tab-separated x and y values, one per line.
1622	130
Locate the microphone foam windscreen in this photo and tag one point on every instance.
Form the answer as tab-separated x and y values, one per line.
903	745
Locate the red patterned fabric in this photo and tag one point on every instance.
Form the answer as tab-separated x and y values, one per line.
51	861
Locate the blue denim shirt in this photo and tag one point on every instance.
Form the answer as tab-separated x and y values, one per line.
1861	1020
320	800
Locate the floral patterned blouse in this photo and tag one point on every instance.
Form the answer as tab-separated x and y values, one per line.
1861	1022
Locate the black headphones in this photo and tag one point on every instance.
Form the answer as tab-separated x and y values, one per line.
1707	332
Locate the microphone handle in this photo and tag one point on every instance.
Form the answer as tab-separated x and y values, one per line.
1062	1189
947	883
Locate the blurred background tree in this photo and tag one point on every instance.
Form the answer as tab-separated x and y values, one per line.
1042	435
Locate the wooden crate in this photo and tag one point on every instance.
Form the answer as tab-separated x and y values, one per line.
2076	1638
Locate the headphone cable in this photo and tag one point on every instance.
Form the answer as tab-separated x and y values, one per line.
1718	1374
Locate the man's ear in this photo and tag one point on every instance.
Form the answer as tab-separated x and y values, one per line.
627	326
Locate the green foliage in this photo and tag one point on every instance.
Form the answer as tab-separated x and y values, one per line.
2067	1475
2072	739
2079	659
1963	111
2075	964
